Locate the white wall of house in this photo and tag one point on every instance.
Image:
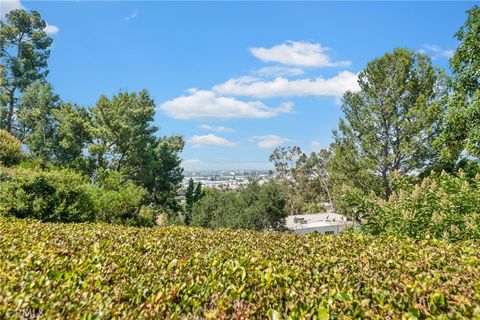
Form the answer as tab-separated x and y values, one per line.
317	227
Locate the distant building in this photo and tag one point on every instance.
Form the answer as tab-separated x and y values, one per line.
231	180
324	223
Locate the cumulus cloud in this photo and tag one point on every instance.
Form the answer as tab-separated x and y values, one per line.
209	139
8	5
300	54
283	87
278	71
436	51
216	128
276	81
51	29
200	104
270	141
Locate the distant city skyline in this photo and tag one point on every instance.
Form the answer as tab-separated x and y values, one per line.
236	79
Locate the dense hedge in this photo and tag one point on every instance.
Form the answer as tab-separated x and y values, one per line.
102	271
64	195
60	195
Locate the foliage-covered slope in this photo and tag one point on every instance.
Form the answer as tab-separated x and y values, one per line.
105	271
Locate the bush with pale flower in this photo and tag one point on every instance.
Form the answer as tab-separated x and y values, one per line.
440	206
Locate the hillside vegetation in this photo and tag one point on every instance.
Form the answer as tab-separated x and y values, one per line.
102	271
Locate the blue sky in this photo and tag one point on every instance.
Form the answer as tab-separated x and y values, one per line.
236	79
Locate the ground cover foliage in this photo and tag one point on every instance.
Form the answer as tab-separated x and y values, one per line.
106	271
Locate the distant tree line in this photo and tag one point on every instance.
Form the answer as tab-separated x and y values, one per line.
257	207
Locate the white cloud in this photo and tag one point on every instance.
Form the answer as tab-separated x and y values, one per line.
216	128
51	29
8	5
301	54
282	87
131	16
222	101
278	71
209	139
206	104
435	51
270	141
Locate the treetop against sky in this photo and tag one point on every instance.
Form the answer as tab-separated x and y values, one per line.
236	79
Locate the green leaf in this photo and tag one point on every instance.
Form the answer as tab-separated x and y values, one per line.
273	314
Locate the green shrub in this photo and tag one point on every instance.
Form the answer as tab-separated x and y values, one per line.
121	201
10	149
441	206
64	195
99	271
56	195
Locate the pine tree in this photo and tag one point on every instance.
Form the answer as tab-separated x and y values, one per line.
189	199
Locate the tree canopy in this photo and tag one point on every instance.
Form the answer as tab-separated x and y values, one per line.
461	132
304	178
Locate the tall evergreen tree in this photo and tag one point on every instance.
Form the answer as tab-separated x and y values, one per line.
24	50
193	194
392	121
124	139
123	132
198	194
53	131
72	136
189	201
163	173
36	124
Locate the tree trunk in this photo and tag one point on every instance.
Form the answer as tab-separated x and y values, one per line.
386	185
10	111
325	187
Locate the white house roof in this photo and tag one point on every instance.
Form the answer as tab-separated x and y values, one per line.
327	218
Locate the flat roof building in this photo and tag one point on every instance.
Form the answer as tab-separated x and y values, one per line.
324	223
